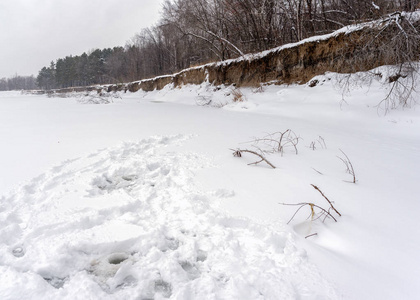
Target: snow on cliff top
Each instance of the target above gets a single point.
(411, 16)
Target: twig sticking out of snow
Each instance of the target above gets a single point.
(238, 153)
(332, 206)
(323, 212)
(313, 234)
(278, 141)
(349, 166)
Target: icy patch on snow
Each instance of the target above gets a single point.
(129, 223)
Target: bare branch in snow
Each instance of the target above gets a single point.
(238, 153)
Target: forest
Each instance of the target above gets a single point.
(194, 32)
(18, 83)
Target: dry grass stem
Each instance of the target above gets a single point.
(238, 96)
(349, 166)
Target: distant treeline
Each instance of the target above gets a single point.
(18, 83)
(193, 32)
(99, 66)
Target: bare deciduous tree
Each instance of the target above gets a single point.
(193, 32)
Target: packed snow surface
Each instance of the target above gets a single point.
(139, 196)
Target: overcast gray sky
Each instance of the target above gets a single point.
(35, 32)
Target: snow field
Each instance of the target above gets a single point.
(165, 211)
(129, 223)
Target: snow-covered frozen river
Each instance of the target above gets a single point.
(142, 198)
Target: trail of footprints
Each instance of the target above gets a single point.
(180, 241)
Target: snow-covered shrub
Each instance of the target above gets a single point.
(397, 44)
(61, 95)
(99, 98)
